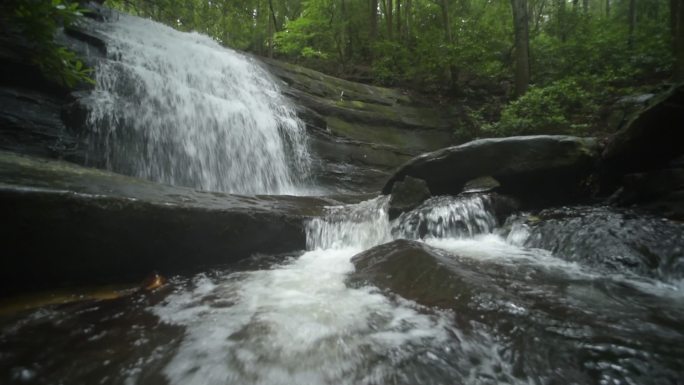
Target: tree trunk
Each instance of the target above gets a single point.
(373, 20)
(632, 23)
(270, 37)
(585, 6)
(561, 20)
(522, 57)
(677, 29)
(407, 16)
(388, 15)
(607, 8)
(445, 20)
(273, 16)
(399, 20)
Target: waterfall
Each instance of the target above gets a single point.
(178, 108)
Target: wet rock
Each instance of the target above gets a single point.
(413, 270)
(31, 123)
(540, 314)
(65, 224)
(617, 240)
(537, 170)
(650, 140)
(367, 127)
(481, 184)
(407, 195)
(462, 216)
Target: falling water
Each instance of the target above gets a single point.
(178, 108)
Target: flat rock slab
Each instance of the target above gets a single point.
(65, 224)
(537, 170)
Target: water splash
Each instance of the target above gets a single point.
(178, 108)
(448, 217)
(363, 226)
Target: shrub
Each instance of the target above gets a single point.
(37, 21)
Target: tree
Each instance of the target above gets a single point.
(522, 40)
(677, 31)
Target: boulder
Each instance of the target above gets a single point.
(642, 163)
(613, 240)
(413, 270)
(539, 311)
(650, 139)
(481, 184)
(537, 170)
(65, 224)
(407, 195)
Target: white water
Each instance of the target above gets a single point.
(178, 108)
(299, 323)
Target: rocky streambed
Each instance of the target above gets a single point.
(535, 260)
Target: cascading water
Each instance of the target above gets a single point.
(517, 316)
(178, 108)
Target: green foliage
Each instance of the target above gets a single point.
(567, 106)
(581, 58)
(38, 21)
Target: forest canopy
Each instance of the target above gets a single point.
(562, 58)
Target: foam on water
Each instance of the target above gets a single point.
(178, 108)
(295, 324)
(299, 323)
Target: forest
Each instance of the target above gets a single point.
(516, 67)
(342, 192)
(520, 66)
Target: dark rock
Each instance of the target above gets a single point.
(659, 191)
(31, 123)
(616, 240)
(481, 184)
(650, 140)
(537, 170)
(65, 224)
(413, 270)
(541, 315)
(620, 112)
(462, 216)
(362, 126)
(407, 195)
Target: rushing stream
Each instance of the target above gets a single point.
(518, 315)
(583, 295)
(178, 108)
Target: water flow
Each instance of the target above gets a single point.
(178, 108)
(299, 323)
(448, 217)
(514, 314)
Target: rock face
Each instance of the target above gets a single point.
(612, 239)
(65, 224)
(535, 169)
(650, 139)
(31, 106)
(407, 195)
(362, 130)
(411, 269)
(539, 314)
(644, 159)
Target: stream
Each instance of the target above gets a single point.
(451, 292)
(520, 315)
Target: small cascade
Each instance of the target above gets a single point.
(448, 217)
(178, 108)
(363, 225)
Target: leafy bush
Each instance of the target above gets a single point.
(566, 106)
(38, 21)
